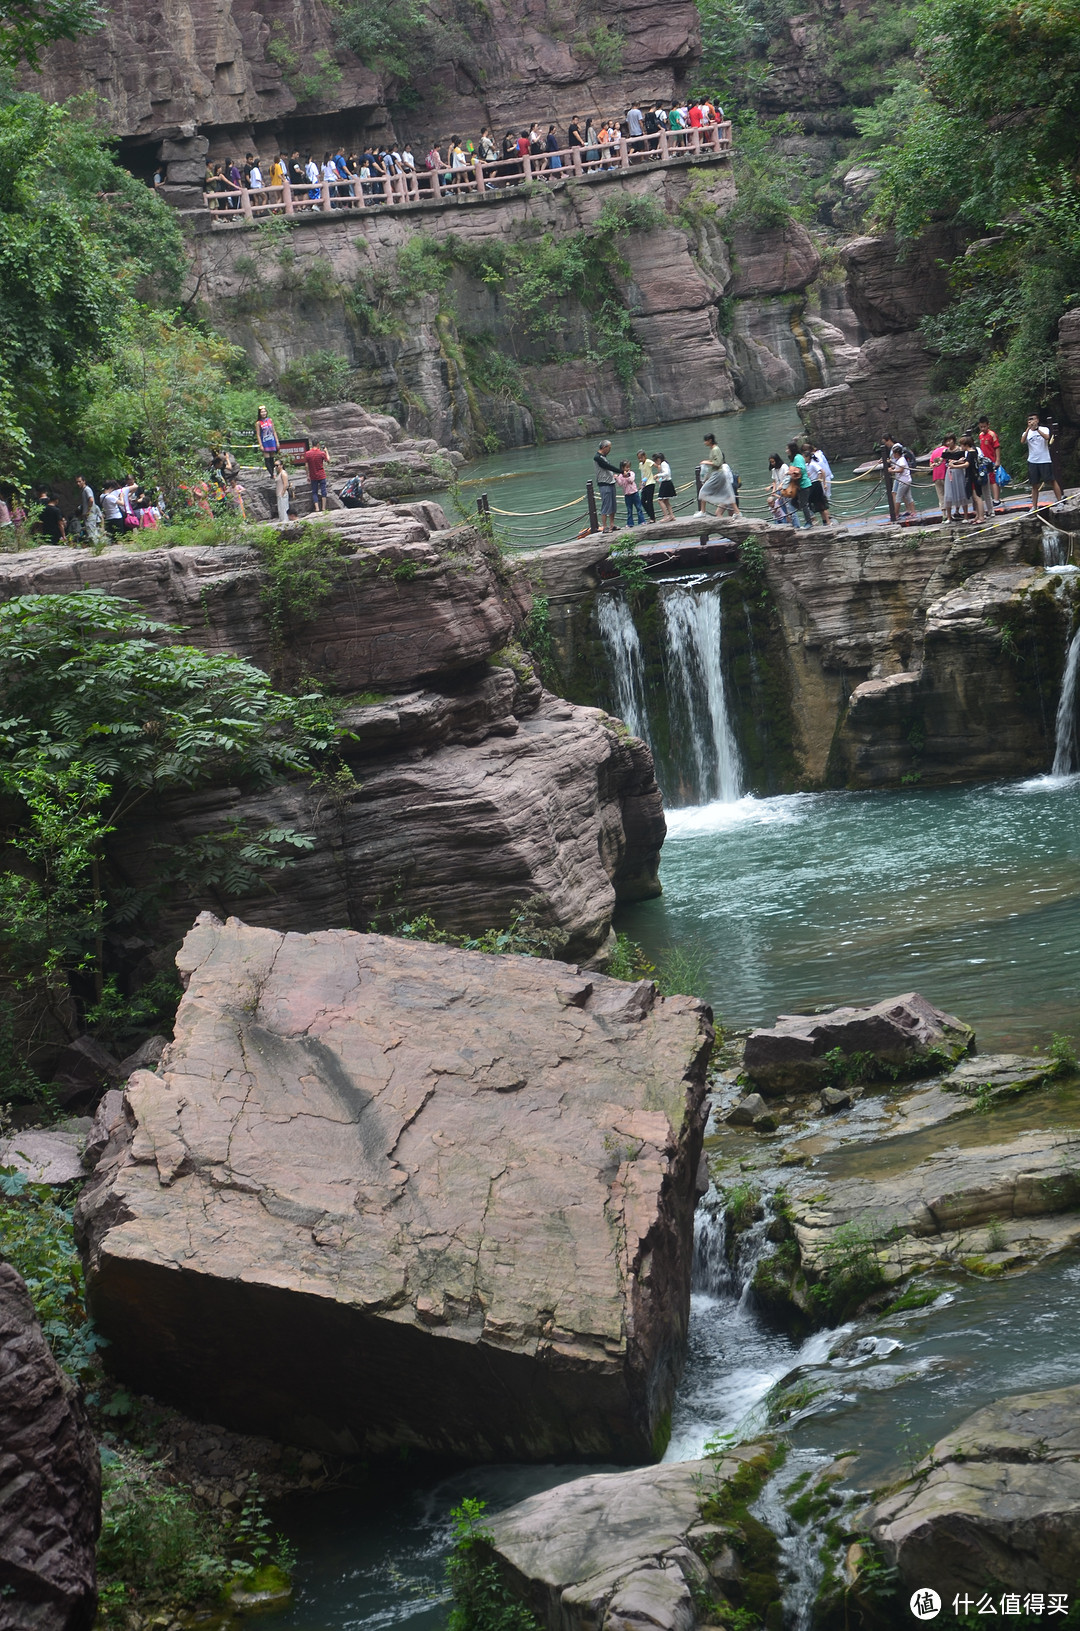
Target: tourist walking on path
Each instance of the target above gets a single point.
(990, 448)
(718, 487)
(780, 477)
(665, 491)
(266, 436)
(281, 490)
(627, 482)
(606, 473)
(955, 503)
(801, 495)
(819, 470)
(900, 471)
(317, 458)
(1036, 438)
(647, 477)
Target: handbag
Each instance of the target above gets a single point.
(794, 483)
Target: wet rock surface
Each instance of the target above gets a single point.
(621, 1550)
(803, 1052)
(460, 1187)
(50, 1480)
(997, 1500)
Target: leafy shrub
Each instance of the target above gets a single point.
(39, 1241)
(156, 1544)
(317, 380)
(480, 1597)
(528, 934)
(852, 1272)
(1062, 1051)
(602, 46)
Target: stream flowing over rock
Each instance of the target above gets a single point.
(995, 1503)
(386, 1193)
(50, 1480)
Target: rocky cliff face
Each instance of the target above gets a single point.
(474, 790)
(927, 655)
(889, 287)
(451, 353)
(51, 1477)
(407, 1196)
(274, 74)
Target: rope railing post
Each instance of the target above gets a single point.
(590, 498)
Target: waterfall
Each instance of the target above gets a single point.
(623, 645)
(692, 636)
(1053, 547)
(1067, 727)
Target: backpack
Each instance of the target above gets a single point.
(432, 160)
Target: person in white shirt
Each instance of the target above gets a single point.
(665, 487)
(256, 184)
(1040, 469)
(817, 468)
(900, 471)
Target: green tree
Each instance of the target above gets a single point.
(27, 27)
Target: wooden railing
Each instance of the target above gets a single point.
(232, 206)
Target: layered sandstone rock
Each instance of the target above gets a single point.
(982, 700)
(855, 611)
(996, 1500)
(903, 1035)
(473, 791)
(50, 1476)
(407, 1195)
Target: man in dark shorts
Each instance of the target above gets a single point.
(317, 458)
(1036, 439)
(51, 521)
(605, 481)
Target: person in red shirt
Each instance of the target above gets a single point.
(317, 458)
(990, 446)
(696, 116)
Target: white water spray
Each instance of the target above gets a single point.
(694, 676)
(1067, 727)
(623, 645)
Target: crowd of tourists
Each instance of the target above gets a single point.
(368, 178)
(118, 508)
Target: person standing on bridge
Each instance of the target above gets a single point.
(1036, 438)
(267, 438)
(718, 487)
(647, 477)
(606, 473)
(666, 488)
(627, 481)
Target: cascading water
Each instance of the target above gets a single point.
(697, 759)
(623, 645)
(692, 625)
(1067, 728)
(1054, 548)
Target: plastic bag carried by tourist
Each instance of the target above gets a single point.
(1002, 475)
(352, 494)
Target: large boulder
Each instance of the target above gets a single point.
(891, 286)
(900, 1036)
(647, 1550)
(384, 1193)
(50, 1480)
(995, 1502)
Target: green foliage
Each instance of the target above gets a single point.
(80, 240)
(536, 638)
(318, 380)
(37, 1239)
(1062, 1051)
(529, 933)
(602, 45)
(118, 1021)
(632, 569)
(480, 1598)
(851, 1272)
(28, 27)
(914, 1297)
(406, 39)
(742, 1205)
(302, 564)
(156, 1546)
(771, 184)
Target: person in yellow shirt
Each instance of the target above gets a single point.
(647, 483)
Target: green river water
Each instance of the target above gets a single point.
(970, 895)
(538, 478)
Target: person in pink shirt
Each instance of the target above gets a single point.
(627, 482)
(937, 475)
